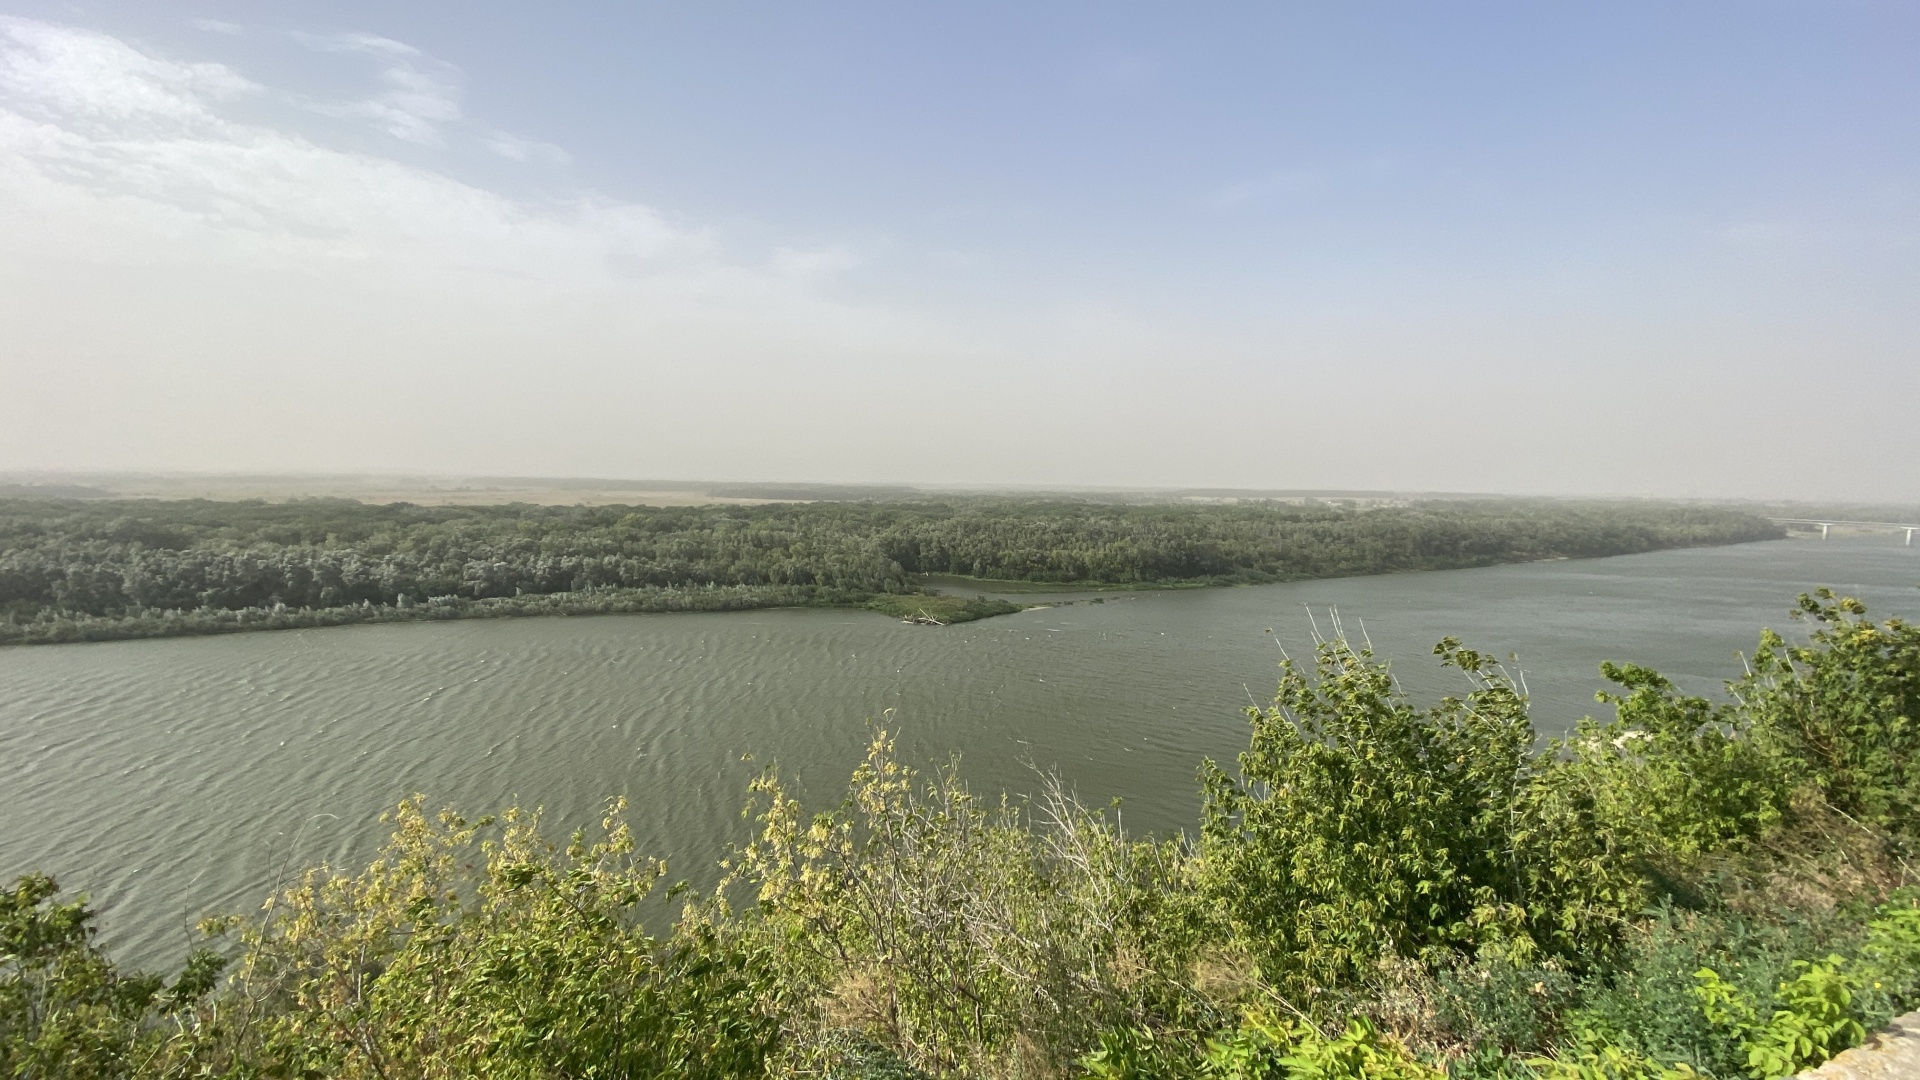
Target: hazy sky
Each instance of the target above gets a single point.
(1642, 248)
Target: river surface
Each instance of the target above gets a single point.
(174, 778)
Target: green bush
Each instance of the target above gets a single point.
(1261, 1047)
(65, 1010)
(480, 949)
(1266, 1048)
(1506, 1007)
(1847, 703)
(1650, 1004)
(1889, 958)
(1679, 774)
(1815, 1016)
(952, 931)
(848, 1056)
(1361, 827)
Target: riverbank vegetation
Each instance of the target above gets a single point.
(101, 569)
(1376, 888)
(938, 610)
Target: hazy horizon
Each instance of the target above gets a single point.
(1645, 250)
(458, 489)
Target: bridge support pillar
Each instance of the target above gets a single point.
(1823, 530)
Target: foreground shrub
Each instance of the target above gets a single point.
(65, 1010)
(959, 935)
(1675, 774)
(1848, 704)
(1262, 1047)
(1890, 957)
(1815, 1016)
(1501, 1007)
(467, 952)
(1650, 1005)
(1360, 826)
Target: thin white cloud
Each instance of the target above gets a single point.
(370, 44)
(114, 155)
(419, 101)
(217, 26)
(508, 145)
(93, 83)
(420, 95)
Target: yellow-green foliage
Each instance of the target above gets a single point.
(1266, 1047)
(1604, 1061)
(480, 949)
(949, 929)
(1262, 1047)
(1815, 1017)
(1381, 890)
(1890, 956)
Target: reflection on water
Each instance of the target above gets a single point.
(171, 778)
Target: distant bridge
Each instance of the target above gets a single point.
(1830, 523)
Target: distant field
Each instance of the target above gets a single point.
(496, 496)
(453, 490)
(378, 490)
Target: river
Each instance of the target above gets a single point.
(173, 778)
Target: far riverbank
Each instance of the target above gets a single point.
(101, 570)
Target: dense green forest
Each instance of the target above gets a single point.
(1377, 888)
(86, 570)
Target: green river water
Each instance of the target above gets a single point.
(174, 778)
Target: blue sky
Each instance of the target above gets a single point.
(1623, 248)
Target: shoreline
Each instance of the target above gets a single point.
(205, 622)
(926, 607)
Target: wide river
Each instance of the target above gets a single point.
(178, 777)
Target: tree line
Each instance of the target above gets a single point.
(78, 562)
